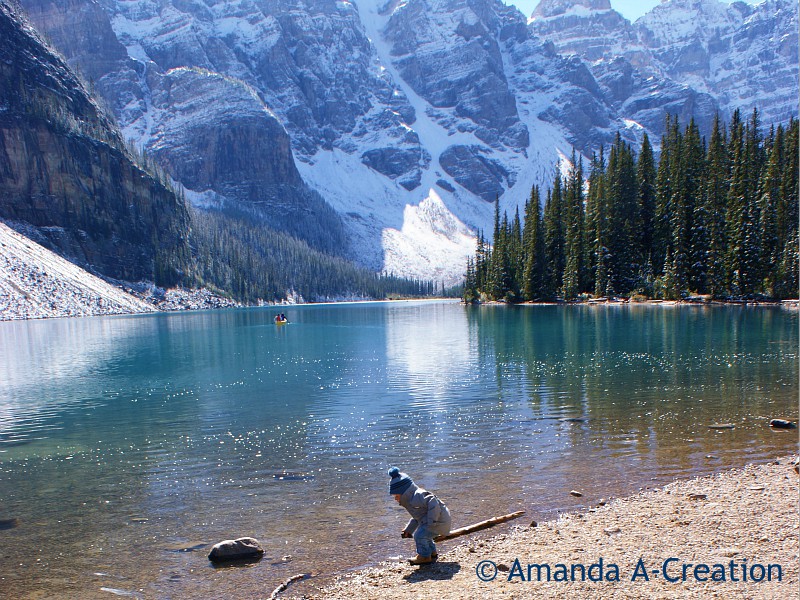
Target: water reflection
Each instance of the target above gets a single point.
(125, 440)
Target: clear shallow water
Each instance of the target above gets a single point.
(129, 445)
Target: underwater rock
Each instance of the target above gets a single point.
(8, 523)
(241, 548)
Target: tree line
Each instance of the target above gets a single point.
(716, 217)
(237, 255)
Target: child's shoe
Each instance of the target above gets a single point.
(421, 560)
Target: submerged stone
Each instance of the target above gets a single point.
(8, 523)
(238, 549)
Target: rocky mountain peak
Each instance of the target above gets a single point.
(677, 21)
(350, 117)
(554, 8)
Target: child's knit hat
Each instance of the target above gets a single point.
(400, 481)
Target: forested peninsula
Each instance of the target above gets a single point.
(715, 217)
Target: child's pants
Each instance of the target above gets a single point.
(424, 540)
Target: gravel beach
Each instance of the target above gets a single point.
(710, 537)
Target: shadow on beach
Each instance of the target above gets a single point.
(440, 571)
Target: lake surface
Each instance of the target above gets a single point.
(129, 445)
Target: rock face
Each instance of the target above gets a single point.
(474, 171)
(744, 56)
(239, 549)
(689, 58)
(330, 119)
(184, 97)
(630, 78)
(449, 52)
(65, 170)
(215, 135)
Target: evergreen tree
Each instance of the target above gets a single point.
(621, 191)
(534, 281)
(597, 223)
(693, 184)
(744, 249)
(573, 277)
(470, 285)
(715, 196)
(662, 231)
(736, 207)
(505, 287)
(769, 189)
(646, 197)
(721, 219)
(554, 235)
(787, 277)
(516, 258)
(482, 255)
(495, 285)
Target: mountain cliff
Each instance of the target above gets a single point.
(693, 57)
(383, 130)
(65, 170)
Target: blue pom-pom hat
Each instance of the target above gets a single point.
(400, 482)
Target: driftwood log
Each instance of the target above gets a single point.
(479, 526)
(282, 587)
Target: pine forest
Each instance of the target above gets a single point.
(714, 217)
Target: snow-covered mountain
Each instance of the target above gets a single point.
(744, 56)
(693, 56)
(408, 117)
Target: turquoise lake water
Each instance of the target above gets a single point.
(129, 445)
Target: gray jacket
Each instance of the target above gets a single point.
(426, 510)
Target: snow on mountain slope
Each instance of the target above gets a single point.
(745, 56)
(36, 283)
(442, 118)
(473, 156)
(409, 117)
(690, 57)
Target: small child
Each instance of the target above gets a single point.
(429, 515)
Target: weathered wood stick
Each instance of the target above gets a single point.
(282, 587)
(479, 526)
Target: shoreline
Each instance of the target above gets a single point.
(192, 300)
(726, 526)
(790, 304)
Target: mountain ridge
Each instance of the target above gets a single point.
(439, 106)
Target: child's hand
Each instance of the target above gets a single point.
(405, 534)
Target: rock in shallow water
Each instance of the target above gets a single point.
(242, 548)
(8, 523)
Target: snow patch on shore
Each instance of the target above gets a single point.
(36, 283)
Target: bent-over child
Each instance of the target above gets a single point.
(429, 515)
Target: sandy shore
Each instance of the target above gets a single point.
(740, 517)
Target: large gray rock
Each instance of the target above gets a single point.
(396, 163)
(238, 549)
(216, 136)
(474, 171)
